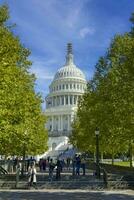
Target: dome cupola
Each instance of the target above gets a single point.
(69, 70)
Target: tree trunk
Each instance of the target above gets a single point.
(23, 161)
(130, 153)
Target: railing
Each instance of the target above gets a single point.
(59, 133)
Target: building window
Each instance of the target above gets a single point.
(70, 86)
(50, 127)
(71, 100)
(63, 86)
(54, 102)
(62, 100)
(66, 86)
(74, 86)
(59, 87)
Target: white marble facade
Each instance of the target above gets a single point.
(68, 85)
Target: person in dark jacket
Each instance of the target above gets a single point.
(58, 169)
(51, 169)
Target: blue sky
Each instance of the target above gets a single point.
(46, 26)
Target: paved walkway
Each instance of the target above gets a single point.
(65, 195)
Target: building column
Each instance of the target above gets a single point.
(56, 101)
(64, 100)
(52, 123)
(61, 122)
(59, 127)
(52, 101)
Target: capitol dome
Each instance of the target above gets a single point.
(65, 90)
(68, 72)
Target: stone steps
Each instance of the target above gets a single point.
(74, 184)
(67, 181)
(53, 185)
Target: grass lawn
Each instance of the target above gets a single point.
(122, 163)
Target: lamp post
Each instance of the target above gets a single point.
(97, 153)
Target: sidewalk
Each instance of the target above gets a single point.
(66, 195)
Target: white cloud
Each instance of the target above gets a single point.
(86, 31)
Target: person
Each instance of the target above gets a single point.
(62, 162)
(15, 164)
(68, 163)
(44, 164)
(105, 177)
(40, 165)
(78, 164)
(30, 162)
(83, 165)
(51, 169)
(58, 169)
(32, 180)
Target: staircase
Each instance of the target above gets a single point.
(67, 181)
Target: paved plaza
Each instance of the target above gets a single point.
(65, 195)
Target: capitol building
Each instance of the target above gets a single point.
(68, 85)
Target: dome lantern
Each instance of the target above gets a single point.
(69, 57)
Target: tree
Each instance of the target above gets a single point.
(109, 100)
(22, 122)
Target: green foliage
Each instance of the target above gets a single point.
(109, 101)
(20, 106)
(4, 15)
(132, 21)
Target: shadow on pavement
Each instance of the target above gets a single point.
(65, 195)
